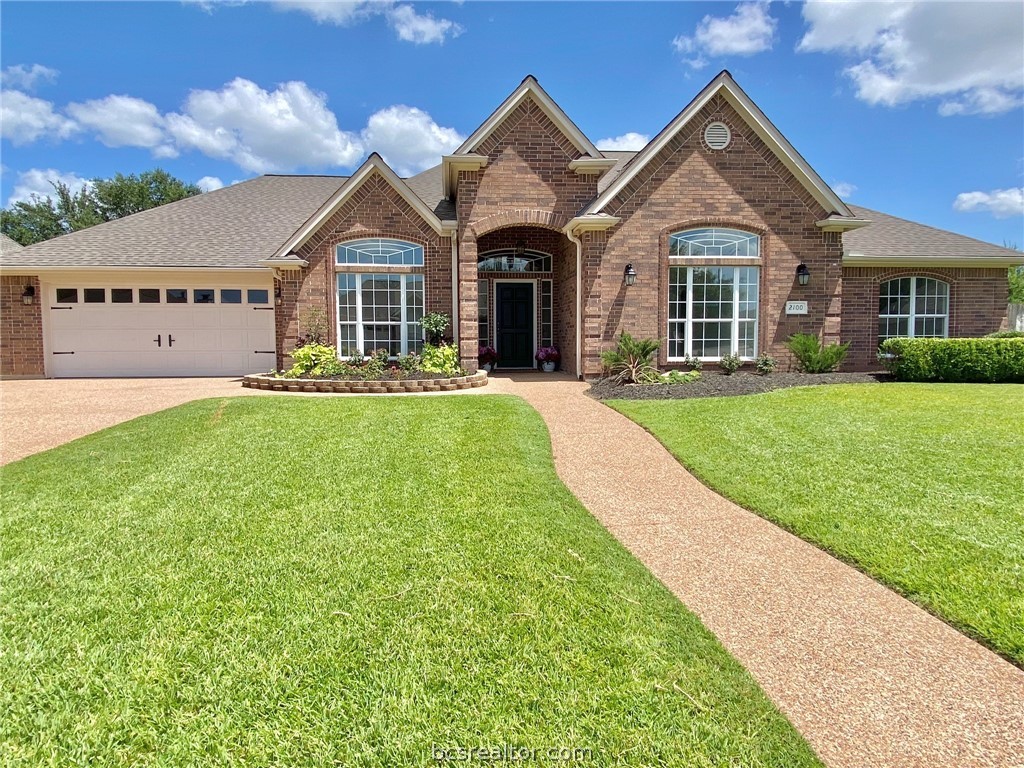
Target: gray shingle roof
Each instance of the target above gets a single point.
(889, 236)
(231, 227)
(9, 246)
(428, 187)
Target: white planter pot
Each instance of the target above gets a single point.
(547, 367)
(487, 367)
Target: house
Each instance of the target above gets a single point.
(716, 238)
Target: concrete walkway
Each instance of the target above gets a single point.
(867, 677)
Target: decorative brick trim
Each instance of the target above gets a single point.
(391, 386)
(526, 217)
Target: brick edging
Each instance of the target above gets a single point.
(360, 387)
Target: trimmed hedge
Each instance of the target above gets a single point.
(963, 360)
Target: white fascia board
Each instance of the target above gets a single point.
(530, 87)
(30, 269)
(374, 163)
(587, 166)
(284, 264)
(590, 223)
(963, 262)
(841, 224)
(751, 113)
(450, 167)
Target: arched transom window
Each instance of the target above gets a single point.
(714, 243)
(915, 307)
(509, 260)
(377, 250)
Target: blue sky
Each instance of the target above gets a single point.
(914, 108)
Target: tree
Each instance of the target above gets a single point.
(42, 218)
(1016, 278)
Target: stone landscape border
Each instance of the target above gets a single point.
(360, 387)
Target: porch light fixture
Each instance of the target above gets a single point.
(28, 294)
(520, 249)
(803, 274)
(629, 275)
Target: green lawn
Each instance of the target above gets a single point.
(304, 582)
(919, 485)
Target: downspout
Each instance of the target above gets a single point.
(579, 299)
(455, 288)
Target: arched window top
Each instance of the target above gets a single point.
(714, 242)
(378, 250)
(507, 260)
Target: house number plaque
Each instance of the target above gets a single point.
(796, 307)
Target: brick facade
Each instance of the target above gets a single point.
(21, 328)
(977, 305)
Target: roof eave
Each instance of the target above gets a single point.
(851, 259)
(841, 224)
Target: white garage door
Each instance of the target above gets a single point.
(159, 331)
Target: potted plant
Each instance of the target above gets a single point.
(548, 358)
(488, 358)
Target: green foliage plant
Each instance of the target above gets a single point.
(632, 361)
(814, 357)
(730, 364)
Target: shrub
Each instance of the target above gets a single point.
(695, 363)
(631, 361)
(960, 360)
(812, 356)
(681, 377)
(1006, 335)
(442, 359)
(765, 364)
(374, 366)
(548, 355)
(487, 355)
(730, 364)
(434, 325)
(409, 364)
(313, 324)
(314, 360)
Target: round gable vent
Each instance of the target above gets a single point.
(717, 135)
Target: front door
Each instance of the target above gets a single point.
(515, 316)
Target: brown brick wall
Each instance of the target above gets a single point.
(977, 305)
(374, 210)
(689, 185)
(21, 328)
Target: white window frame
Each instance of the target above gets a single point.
(734, 321)
(359, 322)
(912, 314)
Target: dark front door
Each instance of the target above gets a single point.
(514, 312)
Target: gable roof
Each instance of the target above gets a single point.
(374, 164)
(8, 245)
(229, 228)
(890, 240)
(529, 88)
(724, 85)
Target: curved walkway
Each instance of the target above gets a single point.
(866, 676)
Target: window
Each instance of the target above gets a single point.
(380, 312)
(258, 296)
(712, 312)
(913, 306)
(177, 296)
(230, 295)
(95, 295)
(507, 261)
(716, 243)
(393, 253)
(545, 314)
(121, 296)
(149, 295)
(202, 296)
(67, 295)
(483, 313)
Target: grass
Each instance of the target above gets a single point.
(919, 485)
(290, 581)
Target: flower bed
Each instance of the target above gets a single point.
(365, 387)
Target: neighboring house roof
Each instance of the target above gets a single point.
(725, 86)
(891, 240)
(233, 227)
(9, 246)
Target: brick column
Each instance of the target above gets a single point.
(468, 329)
(593, 314)
(21, 328)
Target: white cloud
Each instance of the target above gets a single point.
(38, 182)
(625, 142)
(209, 183)
(122, 121)
(421, 28)
(749, 30)
(264, 131)
(1001, 203)
(24, 119)
(844, 189)
(27, 78)
(408, 139)
(968, 54)
(409, 25)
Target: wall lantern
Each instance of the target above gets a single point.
(629, 275)
(803, 274)
(277, 292)
(28, 294)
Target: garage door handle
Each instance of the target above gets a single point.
(264, 309)
(170, 340)
(61, 307)
(62, 353)
(263, 351)
(157, 340)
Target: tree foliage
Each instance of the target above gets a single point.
(42, 218)
(1016, 278)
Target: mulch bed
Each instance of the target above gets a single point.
(717, 384)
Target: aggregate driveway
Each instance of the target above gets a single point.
(37, 414)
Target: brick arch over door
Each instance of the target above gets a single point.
(517, 218)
